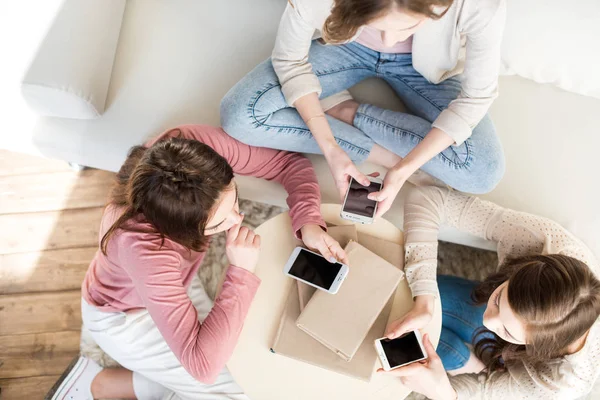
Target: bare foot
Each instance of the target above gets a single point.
(345, 111)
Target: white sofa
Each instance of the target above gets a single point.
(174, 60)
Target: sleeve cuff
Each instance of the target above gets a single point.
(315, 221)
(299, 86)
(452, 124)
(243, 277)
(462, 388)
(421, 288)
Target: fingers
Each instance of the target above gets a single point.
(359, 176)
(383, 207)
(398, 328)
(321, 246)
(390, 331)
(243, 234)
(374, 174)
(375, 195)
(342, 188)
(256, 241)
(249, 239)
(381, 195)
(341, 255)
(335, 249)
(407, 370)
(233, 232)
(430, 350)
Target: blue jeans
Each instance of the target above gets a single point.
(460, 319)
(255, 112)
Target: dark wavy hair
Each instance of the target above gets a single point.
(347, 16)
(173, 185)
(557, 296)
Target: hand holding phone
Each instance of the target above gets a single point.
(315, 238)
(417, 318)
(395, 353)
(428, 377)
(314, 270)
(342, 168)
(357, 206)
(393, 182)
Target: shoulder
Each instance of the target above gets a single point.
(315, 12)
(476, 15)
(138, 241)
(535, 234)
(214, 137)
(197, 132)
(569, 377)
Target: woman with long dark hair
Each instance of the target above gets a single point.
(441, 57)
(531, 330)
(143, 302)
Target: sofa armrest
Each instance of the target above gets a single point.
(70, 74)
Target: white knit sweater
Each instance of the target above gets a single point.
(517, 234)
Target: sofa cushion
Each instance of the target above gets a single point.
(70, 75)
(553, 41)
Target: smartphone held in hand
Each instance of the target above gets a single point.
(357, 206)
(404, 350)
(314, 270)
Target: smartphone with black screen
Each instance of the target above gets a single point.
(357, 206)
(401, 351)
(314, 270)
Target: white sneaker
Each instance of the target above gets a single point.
(76, 382)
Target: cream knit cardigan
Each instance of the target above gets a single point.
(465, 40)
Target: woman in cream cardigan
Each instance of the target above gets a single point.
(440, 56)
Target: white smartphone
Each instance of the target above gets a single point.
(314, 270)
(357, 206)
(401, 351)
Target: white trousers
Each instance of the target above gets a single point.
(133, 340)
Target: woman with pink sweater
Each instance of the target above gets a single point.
(142, 300)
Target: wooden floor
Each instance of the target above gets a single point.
(49, 218)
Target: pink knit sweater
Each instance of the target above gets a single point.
(139, 273)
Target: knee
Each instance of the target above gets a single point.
(452, 350)
(489, 173)
(247, 104)
(233, 111)
(487, 165)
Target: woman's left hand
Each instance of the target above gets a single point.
(392, 183)
(315, 238)
(427, 377)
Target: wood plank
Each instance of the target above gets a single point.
(29, 232)
(13, 163)
(54, 191)
(44, 271)
(37, 354)
(33, 388)
(40, 312)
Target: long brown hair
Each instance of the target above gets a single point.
(557, 297)
(173, 185)
(347, 16)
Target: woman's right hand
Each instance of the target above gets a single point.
(242, 247)
(417, 318)
(342, 168)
